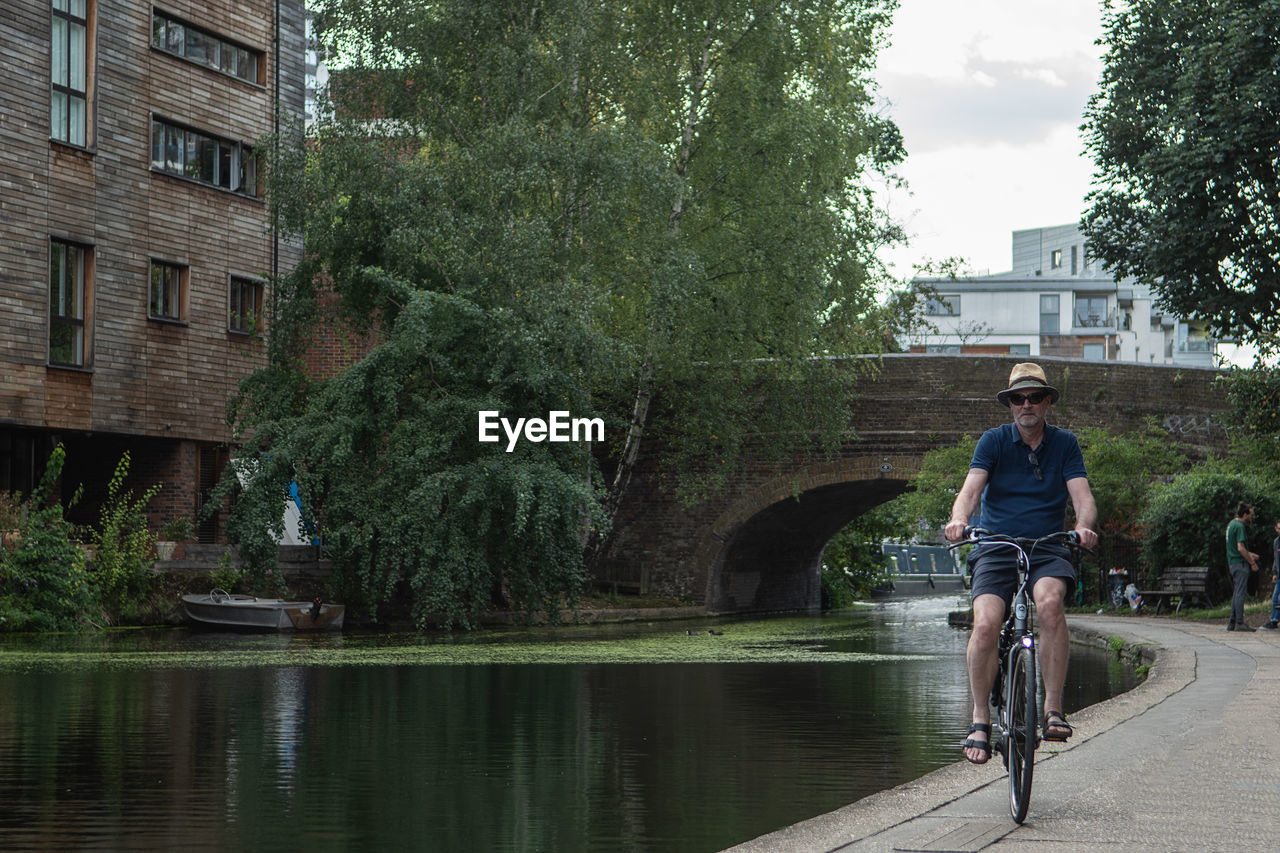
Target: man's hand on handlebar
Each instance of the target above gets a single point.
(961, 532)
(1087, 538)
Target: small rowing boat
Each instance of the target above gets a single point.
(221, 609)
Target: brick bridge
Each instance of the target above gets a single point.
(756, 544)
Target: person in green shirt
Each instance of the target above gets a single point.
(1240, 561)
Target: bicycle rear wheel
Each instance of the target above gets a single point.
(1020, 741)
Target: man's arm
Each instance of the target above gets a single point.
(1249, 557)
(1086, 510)
(966, 502)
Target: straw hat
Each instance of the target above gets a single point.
(1025, 377)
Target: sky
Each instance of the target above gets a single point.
(989, 96)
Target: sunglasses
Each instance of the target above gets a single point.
(1035, 398)
(1035, 465)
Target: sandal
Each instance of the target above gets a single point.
(1057, 720)
(984, 745)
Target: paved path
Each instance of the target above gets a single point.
(1187, 761)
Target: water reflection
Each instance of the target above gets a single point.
(630, 738)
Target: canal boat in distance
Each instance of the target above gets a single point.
(221, 609)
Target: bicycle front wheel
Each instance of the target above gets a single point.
(1020, 744)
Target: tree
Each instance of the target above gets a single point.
(1254, 394)
(853, 562)
(626, 204)
(933, 492)
(1183, 135)
(387, 463)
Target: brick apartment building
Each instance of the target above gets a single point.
(135, 246)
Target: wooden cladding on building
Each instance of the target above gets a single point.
(168, 376)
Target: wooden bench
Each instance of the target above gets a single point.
(1185, 583)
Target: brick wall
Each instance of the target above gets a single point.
(334, 344)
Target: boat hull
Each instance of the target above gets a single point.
(245, 612)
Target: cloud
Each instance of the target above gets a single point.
(966, 200)
(992, 101)
(989, 96)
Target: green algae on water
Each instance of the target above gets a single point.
(762, 641)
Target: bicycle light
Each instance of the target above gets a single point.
(1026, 641)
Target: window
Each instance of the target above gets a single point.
(202, 157)
(1055, 259)
(943, 349)
(1049, 310)
(942, 306)
(204, 48)
(246, 305)
(168, 288)
(21, 455)
(1095, 352)
(68, 120)
(1194, 339)
(68, 263)
(1019, 349)
(1075, 251)
(1091, 311)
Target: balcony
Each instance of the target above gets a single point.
(1196, 345)
(1090, 320)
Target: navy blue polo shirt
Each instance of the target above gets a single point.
(1014, 502)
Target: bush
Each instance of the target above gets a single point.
(177, 529)
(12, 511)
(1185, 520)
(1123, 470)
(43, 582)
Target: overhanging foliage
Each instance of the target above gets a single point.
(570, 206)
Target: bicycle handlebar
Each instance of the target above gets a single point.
(974, 535)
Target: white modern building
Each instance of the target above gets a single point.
(1057, 301)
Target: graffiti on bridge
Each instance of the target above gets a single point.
(1191, 424)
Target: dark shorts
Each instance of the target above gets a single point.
(995, 569)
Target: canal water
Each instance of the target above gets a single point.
(661, 737)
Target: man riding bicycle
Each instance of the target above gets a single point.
(1022, 473)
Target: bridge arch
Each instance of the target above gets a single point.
(764, 552)
(754, 544)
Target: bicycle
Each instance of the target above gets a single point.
(1013, 696)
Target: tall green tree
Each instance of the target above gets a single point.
(647, 213)
(1184, 136)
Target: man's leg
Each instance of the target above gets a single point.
(1240, 577)
(988, 618)
(1275, 602)
(1055, 641)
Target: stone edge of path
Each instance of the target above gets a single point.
(1171, 670)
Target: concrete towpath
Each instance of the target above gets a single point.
(1187, 761)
